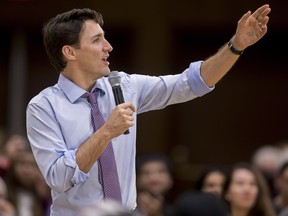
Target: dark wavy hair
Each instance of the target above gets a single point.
(205, 173)
(151, 157)
(263, 205)
(65, 29)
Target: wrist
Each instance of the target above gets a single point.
(234, 50)
(105, 133)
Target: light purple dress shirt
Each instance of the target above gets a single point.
(59, 121)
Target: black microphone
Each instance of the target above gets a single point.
(115, 82)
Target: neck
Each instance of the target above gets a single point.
(79, 79)
(239, 212)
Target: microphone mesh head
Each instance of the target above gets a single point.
(114, 78)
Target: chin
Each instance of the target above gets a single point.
(247, 205)
(106, 72)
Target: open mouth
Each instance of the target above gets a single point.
(105, 60)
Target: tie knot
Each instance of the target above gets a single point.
(91, 97)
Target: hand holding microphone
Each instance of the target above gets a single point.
(115, 82)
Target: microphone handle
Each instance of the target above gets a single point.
(118, 96)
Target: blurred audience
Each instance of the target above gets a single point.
(154, 182)
(28, 191)
(211, 180)
(280, 202)
(6, 207)
(267, 160)
(243, 191)
(283, 146)
(15, 144)
(246, 192)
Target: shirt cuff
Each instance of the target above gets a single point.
(196, 81)
(70, 160)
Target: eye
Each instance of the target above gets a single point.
(96, 40)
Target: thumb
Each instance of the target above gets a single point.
(244, 18)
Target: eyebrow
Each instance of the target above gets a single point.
(98, 35)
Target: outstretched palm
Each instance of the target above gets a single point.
(251, 27)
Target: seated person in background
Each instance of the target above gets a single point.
(211, 181)
(280, 202)
(15, 143)
(6, 207)
(154, 181)
(267, 160)
(27, 189)
(246, 192)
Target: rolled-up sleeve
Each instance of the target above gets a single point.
(196, 81)
(56, 162)
(70, 160)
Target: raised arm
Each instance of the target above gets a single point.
(250, 29)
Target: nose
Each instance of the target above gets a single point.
(107, 46)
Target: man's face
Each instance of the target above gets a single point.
(91, 57)
(154, 178)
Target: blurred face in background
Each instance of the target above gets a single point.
(213, 183)
(25, 168)
(283, 184)
(154, 177)
(243, 191)
(15, 145)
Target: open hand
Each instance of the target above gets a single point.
(251, 27)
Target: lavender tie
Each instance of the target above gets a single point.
(108, 176)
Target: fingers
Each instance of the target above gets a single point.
(127, 106)
(129, 112)
(261, 16)
(244, 18)
(125, 113)
(264, 22)
(251, 27)
(261, 12)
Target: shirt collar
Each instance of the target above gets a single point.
(73, 91)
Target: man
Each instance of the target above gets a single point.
(68, 144)
(154, 182)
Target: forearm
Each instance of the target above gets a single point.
(215, 67)
(89, 152)
(117, 123)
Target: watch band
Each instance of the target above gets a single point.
(234, 50)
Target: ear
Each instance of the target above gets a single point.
(68, 52)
